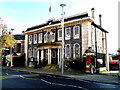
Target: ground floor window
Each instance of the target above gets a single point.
(67, 51)
(30, 52)
(76, 50)
(35, 52)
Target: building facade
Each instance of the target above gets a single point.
(20, 43)
(44, 42)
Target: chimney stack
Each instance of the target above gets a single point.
(93, 10)
(100, 20)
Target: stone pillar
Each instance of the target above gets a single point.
(58, 53)
(26, 49)
(42, 55)
(38, 56)
(49, 56)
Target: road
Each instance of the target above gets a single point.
(15, 79)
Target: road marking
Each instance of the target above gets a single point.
(62, 84)
(6, 73)
(22, 76)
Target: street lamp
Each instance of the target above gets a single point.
(63, 43)
(11, 48)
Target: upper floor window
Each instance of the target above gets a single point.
(67, 51)
(35, 38)
(60, 34)
(49, 36)
(40, 37)
(30, 39)
(45, 37)
(52, 36)
(76, 31)
(76, 50)
(67, 33)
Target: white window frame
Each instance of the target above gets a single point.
(59, 37)
(30, 39)
(76, 36)
(35, 38)
(40, 38)
(74, 55)
(67, 30)
(52, 36)
(45, 37)
(66, 51)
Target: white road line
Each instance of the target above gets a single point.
(22, 76)
(62, 84)
(6, 73)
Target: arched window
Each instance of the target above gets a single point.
(40, 37)
(45, 37)
(30, 39)
(35, 38)
(48, 37)
(30, 52)
(76, 50)
(35, 52)
(67, 51)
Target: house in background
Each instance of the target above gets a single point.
(20, 43)
(44, 41)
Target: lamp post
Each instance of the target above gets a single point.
(63, 43)
(11, 48)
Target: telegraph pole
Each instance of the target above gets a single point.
(63, 42)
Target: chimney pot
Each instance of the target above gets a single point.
(93, 9)
(100, 20)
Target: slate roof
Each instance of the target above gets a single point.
(58, 21)
(98, 26)
(52, 22)
(19, 37)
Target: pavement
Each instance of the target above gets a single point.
(110, 77)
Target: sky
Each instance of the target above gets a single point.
(21, 14)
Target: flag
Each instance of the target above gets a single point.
(50, 9)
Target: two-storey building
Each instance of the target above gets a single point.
(44, 41)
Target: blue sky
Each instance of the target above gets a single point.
(21, 14)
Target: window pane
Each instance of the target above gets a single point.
(76, 30)
(77, 50)
(68, 51)
(68, 31)
(40, 37)
(60, 33)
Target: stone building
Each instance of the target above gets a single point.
(20, 43)
(44, 41)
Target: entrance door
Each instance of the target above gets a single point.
(54, 59)
(46, 54)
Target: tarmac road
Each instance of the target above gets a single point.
(15, 79)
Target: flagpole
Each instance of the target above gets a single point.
(63, 43)
(50, 15)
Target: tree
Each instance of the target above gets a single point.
(8, 40)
